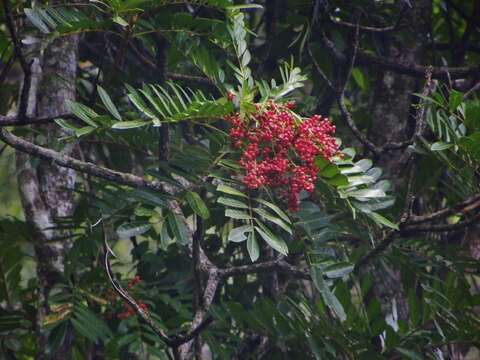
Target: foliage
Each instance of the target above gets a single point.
(223, 51)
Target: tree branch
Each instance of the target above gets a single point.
(85, 167)
(375, 149)
(279, 265)
(19, 120)
(415, 70)
(407, 229)
(468, 205)
(361, 27)
(384, 243)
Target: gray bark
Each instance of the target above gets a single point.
(46, 190)
(392, 118)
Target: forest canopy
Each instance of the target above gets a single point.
(225, 180)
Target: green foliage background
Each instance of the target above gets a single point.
(211, 47)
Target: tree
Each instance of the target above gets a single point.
(199, 209)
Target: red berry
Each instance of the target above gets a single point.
(279, 151)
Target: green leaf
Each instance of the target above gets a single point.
(238, 234)
(252, 247)
(276, 209)
(330, 171)
(178, 228)
(248, 6)
(267, 216)
(229, 190)
(236, 214)
(364, 164)
(338, 180)
(107, 101)
(470, 145)
(152, 197)
(366, 193)
(197, 204)
(382, 220)
(36, 20)
(83, 330)
(321, 163)
(84, 131)
(440, 145)
(357, 180)
(128, 230)
(82, 112)
(232, 203)
(165, 238)
(472, 115)
(136, 99)
(271, 239)
(120, 21)
(339, 271)
(359, 78)
(123, 125)
(327, 295)
(455, 99)
(66, 125)
(246, 58)
(89, 325)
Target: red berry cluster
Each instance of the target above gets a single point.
(279, 148)
(128, 309)
(135, 281)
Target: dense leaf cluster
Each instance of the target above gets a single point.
(156, 81)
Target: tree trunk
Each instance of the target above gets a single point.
(46, 190)
(392, 119)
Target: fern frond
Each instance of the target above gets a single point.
(174, 103)
(292, 79)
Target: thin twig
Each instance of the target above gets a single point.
(468, 205)
(126, 296)
(23, 105)
(472, 90)
(361, 27)
(415, 70)
(384, 243)
(340, 96)
(172, 341)
(441, 228)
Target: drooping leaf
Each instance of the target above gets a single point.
(252, 247)
(178, 228)
(238, 234)
(107, 101)
(197, 204)
(128, 230)
(237, 214)
(232, 202)
(330, 299)
(271, 239)
(231, 191)
(124, 125)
